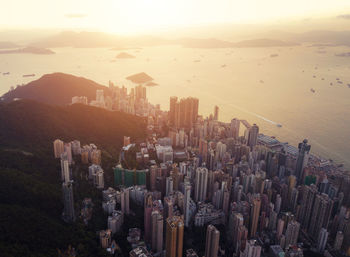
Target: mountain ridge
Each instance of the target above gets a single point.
(56, 88)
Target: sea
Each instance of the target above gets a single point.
(296, 87)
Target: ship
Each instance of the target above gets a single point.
(312, 90)
(28, 75)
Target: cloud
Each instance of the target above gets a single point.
(344, 16)
(75, 15)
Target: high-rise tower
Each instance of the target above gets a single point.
(212, 242)
(174, 236)
(303, 157)
(68, 202)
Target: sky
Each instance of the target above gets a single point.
(134, 16)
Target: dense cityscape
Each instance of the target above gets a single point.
(203, 187)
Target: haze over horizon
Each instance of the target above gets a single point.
(139, 16)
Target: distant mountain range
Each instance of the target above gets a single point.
(99, 39)
(56, 88)
(272, 38)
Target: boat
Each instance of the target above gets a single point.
(223, 66)
(340, 82)
(322, 79)
(6, 73)
(337, 79)
(314, 76)
(331, 84)
(279, 125)
(312, 90)
(196, 60)
(28, 75)
(261, 81)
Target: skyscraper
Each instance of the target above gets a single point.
(309, 193)
(173, 102)
(157, 231)
(254, 215)
(148, 216)
(68, 202)
(65, 172)
(100, 96)
(252, 249)
(174, 236)
(115, 221)
(124, 200)
(140, 92)
(303, 157)
(216, 112)
(58, 147)
(235, 128)
(322, 240)
(212, 242)
(169, 186)
(253, 135)
(338, 240)
(321, 212)
(292, 233)
(183, 113)
(187, 199)
(201, 184)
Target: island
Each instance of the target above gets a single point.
(347, 54)
(124, 55)
(28, 50)
(140, 78)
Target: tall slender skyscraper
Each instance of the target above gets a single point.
(187, 199)
(174, 236)
(157, 232)
(303, 157)
(201, 184)
(65, 172)
(322, 240)
(173, 102)
(68, 202)
(216, 112)
(253, 135)
(292, 233)
(235, 128)
(212, 242)
(254, 215)
(125, 200)
(58, 147)
(148, 216)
